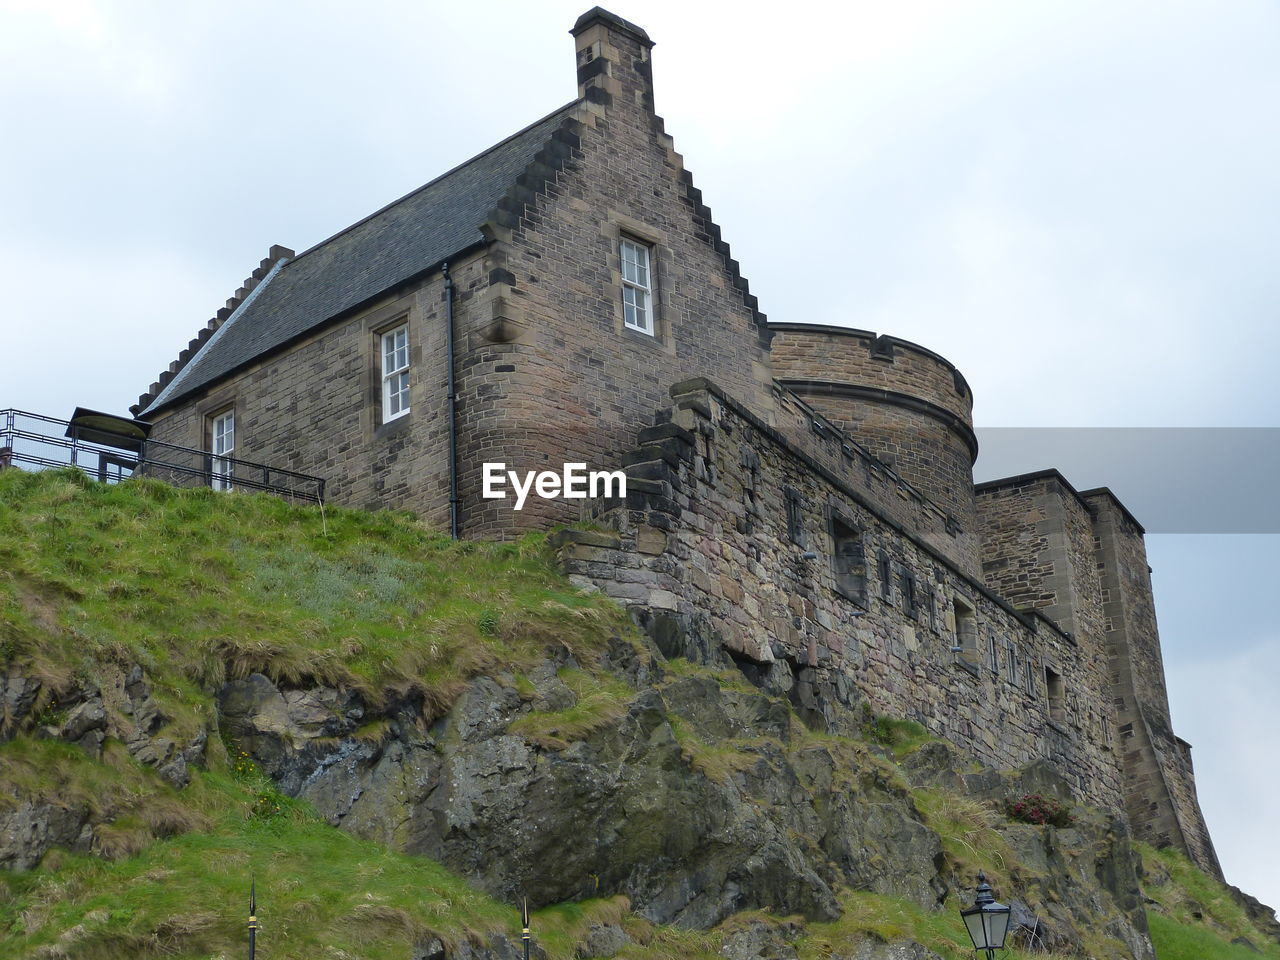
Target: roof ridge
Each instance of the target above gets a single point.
(430, 183)
(276, 255)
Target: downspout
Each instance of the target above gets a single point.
(453, 403)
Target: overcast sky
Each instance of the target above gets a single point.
(1075, 202)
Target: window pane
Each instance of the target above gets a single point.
(395, 350)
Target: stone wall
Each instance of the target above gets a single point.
(315, 408)
(735, 538)
(570, 382)
(908, 406)
(1038, 551)
(1159, 780)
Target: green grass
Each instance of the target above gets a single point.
(197, 586)
(967, 829)
(1183, 941)
(321, 892)
(900, 736)
(599, 701)
(719, 761)
(1192, 906)
(871, 915)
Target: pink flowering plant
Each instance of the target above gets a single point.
(1039, 810)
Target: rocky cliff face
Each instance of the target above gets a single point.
(684, 788)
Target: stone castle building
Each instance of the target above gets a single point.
(800, 497)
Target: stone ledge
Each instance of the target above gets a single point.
(586, 538)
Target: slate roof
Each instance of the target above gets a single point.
(400, 241)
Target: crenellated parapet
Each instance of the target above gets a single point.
(744, 542)
(909, 406)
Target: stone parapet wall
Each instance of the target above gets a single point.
(908, 406)
(734, 540)
(829, 444)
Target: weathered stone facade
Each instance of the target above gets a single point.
(810, 514)
(833, 601)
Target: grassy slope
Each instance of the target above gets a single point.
(1195, 916)
(197, 586)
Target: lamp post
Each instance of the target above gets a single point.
(987, 921)
(524, 923)
(253, 918)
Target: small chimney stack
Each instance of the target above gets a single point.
(613, 60)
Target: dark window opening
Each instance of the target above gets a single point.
(966, 631)
(993, 656)
(1057, 696)
(884, 574)
(909, 605)
(849, 560)
(795, 517)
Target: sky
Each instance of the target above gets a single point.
(1076, 202)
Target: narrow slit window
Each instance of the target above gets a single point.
(909, 594)
(395, 373)
(966, 632)
(849, 560)
(637, 287)
(222, 444)
(795, 517)
(993, 656)
(884, 572)
(1057, 696)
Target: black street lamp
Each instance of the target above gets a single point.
(253, 918)
(987, 921)
(524, 922)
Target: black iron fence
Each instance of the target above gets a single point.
(37, 442)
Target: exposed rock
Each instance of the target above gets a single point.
(697, 802)
(499, 947)
(625, 811)
(28, 831)
(758, 940)
(902, 950)
(603, 940)
(17, 700)
(1257, 911)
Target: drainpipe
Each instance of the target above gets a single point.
(453, 403)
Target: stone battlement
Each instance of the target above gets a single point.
(734, 538)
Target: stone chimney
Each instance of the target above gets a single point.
(613, 60)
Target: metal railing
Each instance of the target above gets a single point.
(34, 441)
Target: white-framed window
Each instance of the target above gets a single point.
(222, 444)
(395, 373)
(637, 286)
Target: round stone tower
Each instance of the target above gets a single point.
(910, 407)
